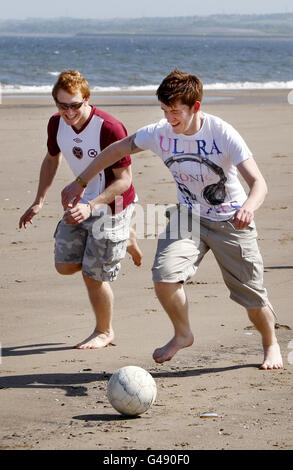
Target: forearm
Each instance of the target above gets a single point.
(115, 189)
(48, 171)
(256, 195)
(109, 156)
(122, 181)
(257, 192)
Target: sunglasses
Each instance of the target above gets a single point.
(65, 106)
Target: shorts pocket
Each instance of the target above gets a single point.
(115, 251)
(252, 265)
(114, 228)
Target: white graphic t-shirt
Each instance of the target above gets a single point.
(203, 165)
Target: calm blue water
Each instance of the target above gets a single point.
(130, 62)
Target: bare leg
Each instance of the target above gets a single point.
(102, 299)
(173, 299)
(67, 269)
(133, 248)
(264, 321)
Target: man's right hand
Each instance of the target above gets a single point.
(71, 194)
(33, 210)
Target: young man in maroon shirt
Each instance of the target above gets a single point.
(80, 132)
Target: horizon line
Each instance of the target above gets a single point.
(144, 17)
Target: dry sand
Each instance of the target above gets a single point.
(53, 396)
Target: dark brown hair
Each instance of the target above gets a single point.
(180, 86)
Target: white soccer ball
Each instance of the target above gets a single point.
(131, 390)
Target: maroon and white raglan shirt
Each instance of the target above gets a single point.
(81, 146)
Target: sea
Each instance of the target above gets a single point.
(138, 63)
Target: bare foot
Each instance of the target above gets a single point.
(272, 357)
(96, 341)
(166, 353)
(133, 248)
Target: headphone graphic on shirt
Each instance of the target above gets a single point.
(215, 193)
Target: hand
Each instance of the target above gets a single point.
(76, 215)
(71, 194)
(242, 218)
(33, 210)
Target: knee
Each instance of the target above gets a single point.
(167, 287)
(92, 283)
(159, 286)
(67, 268)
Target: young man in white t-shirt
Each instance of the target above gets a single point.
(80, 132)
(204, 155)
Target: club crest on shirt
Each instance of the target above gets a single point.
(77, 152)
(92, 153)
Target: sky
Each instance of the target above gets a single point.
(105, 9)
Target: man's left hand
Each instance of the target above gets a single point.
(77, 214)
(242, 218)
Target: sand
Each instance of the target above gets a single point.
(54, 396)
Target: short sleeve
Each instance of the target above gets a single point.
(52, 130)
(111, 132)
(237, 147)
(144, 137)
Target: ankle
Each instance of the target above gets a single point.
(101, 331)
(268, 344)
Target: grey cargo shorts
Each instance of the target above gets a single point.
(97, 245)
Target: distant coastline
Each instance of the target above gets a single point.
(179, 35)
(274, 25)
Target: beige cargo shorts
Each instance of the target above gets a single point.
(236, 251)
